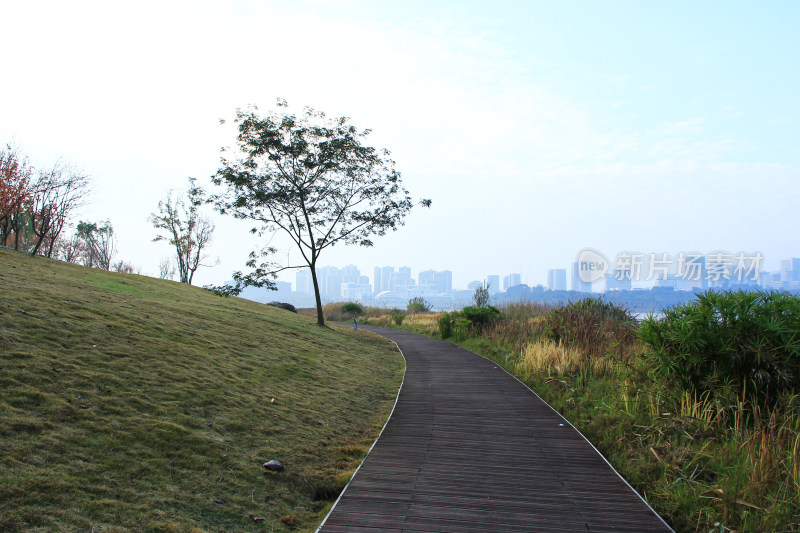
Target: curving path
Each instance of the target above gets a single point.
(471, 449)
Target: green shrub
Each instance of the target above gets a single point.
(462, 327)
(418, 304)
(445, 322)
(352, 309)
(467, 321)
(398, 319)
(749, 340)
(480, 316)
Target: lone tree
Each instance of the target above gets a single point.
(313, 179)
(183, 227)
(99, 243)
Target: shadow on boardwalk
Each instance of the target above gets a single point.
(471, 449)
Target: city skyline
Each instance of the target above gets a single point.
(392, 286)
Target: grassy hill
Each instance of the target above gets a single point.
(134, 404)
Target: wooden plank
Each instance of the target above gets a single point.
(471, 449)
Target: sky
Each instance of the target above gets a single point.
(537, 128)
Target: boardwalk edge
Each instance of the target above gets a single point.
(396, 398)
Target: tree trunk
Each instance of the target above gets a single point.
(320, 316)
(16, 234)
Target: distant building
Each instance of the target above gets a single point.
(350, 274)
(578, 284)
(401, 281)
(303, 282)
(494, 283)
(790, 269)
(613, 283)
(426, 277)
(383, 279)
(693, 271)
(330, 282)
(356, 292)
(433, 282)
(771, 281)
(557, 279)
(282, 287)
(678, 283)
(472, 285)
(512, 280)
(444, 281)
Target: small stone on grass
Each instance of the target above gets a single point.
(273, 465)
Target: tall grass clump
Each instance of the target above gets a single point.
(551, 358)
(592, 326)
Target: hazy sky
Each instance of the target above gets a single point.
(537, 128)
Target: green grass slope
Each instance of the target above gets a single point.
(134, 404)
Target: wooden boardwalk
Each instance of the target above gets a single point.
(471, 449)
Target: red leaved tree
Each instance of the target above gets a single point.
(15, 194)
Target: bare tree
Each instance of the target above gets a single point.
(166, 268)
(58, 192)
(125, 267)
(70, 250)
(185, 228)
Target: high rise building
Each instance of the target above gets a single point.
(790, 269)
(303, 282)
(330, 282)
(613, 282)
(350, 274)
(512, 280)
(578, 284)
(383, 279)
(433, 282)
(426, 278)
(557, 279)
(387, 273)
(444, 281)
(356, 291)
(494, 283)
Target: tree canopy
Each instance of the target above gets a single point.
(313, 179)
